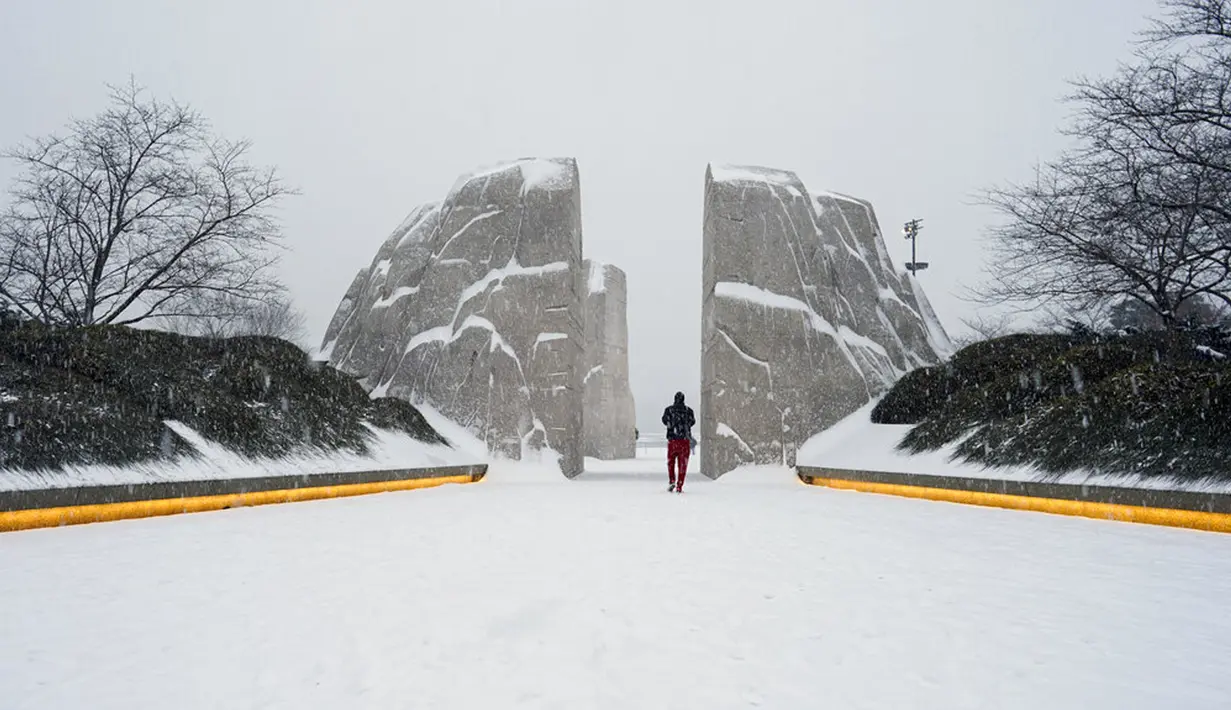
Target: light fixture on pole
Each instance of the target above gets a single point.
(911, 232)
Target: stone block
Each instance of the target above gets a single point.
(610, 420)
(474, 306)
(805, 318)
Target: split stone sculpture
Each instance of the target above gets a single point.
(805, 318)
(610, 423)
(475, 305)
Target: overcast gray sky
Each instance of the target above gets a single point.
(371, 107)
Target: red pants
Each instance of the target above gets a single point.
(677, 449)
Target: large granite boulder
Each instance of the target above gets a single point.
(474, 306)
(343, 314)
(805, 318)
(611, 420)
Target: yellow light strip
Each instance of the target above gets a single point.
(103, 512)
(1192, 519)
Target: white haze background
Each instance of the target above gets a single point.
(371, 107)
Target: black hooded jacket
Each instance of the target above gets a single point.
(679, 419)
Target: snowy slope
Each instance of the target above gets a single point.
(856, 443)
(388, 450)
(608, 592)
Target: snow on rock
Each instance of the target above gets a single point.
(757, 296)
(454, 310)
(416, 226)
(597, 280)
(397, 295)
(937, 337)
(500, 469)
(340, 317)
(724, 430)
(530, 173)
(544, 174)
(610, 417)
(739, 173)
(805, 317)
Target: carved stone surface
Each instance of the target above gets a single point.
(610, 419)
(474, 306)
(805, 318)
(340, 317)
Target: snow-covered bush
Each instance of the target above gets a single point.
(1156, 403)
(100, 395)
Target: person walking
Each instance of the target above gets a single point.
(679, 420)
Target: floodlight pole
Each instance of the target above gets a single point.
(911, 231)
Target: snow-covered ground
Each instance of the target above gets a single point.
(856, 443)
(388, 449)
(528, 590)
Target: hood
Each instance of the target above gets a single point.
(679, 398)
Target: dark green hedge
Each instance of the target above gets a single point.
(1155, 404)
(101, 394)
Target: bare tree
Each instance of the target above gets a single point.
(980, 327)
(1141, 209)
(1203, 20)
(1171, 108)
(1196, 313)
(1056, 320)
(134, 213)
(1097, 228)
(277, 319)
(227, 316)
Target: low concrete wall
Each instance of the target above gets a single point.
(51, 507)
(1201, 511)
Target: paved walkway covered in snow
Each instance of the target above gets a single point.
(610, 592)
